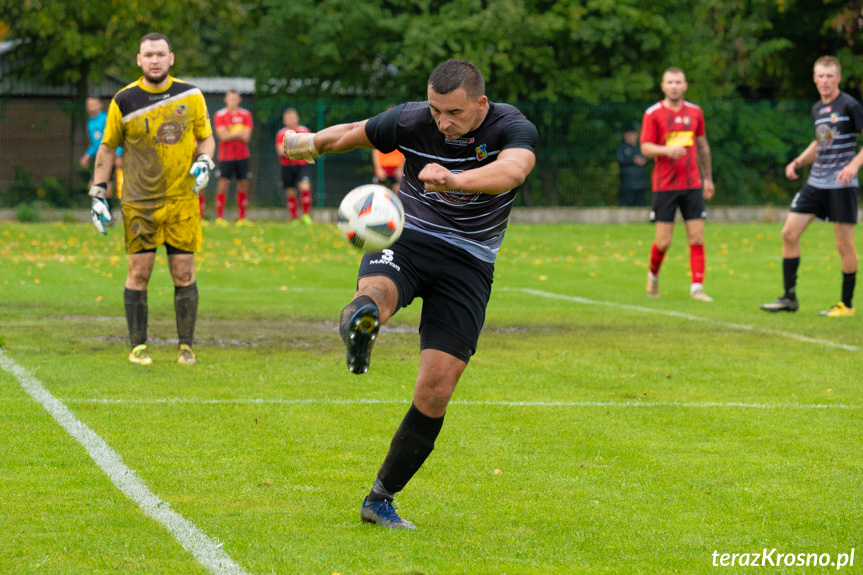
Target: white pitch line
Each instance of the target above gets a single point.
(482, 403)
(205, 550)
(690, 317)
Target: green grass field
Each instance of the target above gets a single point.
(595, 431)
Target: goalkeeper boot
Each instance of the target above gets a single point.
(783, 303)
(139, 355)
(383, 513)
(362, 331)
(838, 310)
(185, 355)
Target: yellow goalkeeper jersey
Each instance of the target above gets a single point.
(159, 132)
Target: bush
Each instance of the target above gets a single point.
(27, 213)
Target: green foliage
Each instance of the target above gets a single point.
(23, 190)
(66, 42)
(27, 213)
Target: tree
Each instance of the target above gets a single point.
(63, 42)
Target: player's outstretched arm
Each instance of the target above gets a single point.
(507, 172)
(335, 139)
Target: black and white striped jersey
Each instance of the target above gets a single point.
(472, 221)
(837, 125)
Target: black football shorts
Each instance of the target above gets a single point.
(454, 285)
(834, 205)
(691, 203)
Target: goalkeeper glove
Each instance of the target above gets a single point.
(201, 168)
(100, 213)
(300, 146)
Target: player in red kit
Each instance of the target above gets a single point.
(294, 173)
(233, 126)
(673, 134)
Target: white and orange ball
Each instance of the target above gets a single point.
(371, 217)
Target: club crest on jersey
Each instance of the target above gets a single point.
(481, 152)
(833, 117)
(169, 133)
(180, 109)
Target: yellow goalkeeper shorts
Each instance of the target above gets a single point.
(175, 222)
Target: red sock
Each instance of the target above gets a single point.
(696, 263)
(292, 207)
(656, 258)
(242, 204)
(202, 201)
(306, 200)
(220, 204)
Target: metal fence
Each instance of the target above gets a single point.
(41, 140)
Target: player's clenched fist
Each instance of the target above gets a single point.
(300, 146)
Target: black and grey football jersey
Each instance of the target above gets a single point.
(837, 125)
(473, 221)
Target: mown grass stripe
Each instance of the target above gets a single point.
(207, 552)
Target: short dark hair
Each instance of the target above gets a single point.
(154, 37)
(455, 74)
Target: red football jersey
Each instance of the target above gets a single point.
(233, 149)
(667, 127)
(280, 135)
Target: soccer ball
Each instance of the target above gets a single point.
(371, 218)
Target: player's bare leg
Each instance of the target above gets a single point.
(374, 303)
(795, 225)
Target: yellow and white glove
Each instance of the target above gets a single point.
(100, 213)
(300, 146)
(201, 168)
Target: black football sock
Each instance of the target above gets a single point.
(848, 282)
(411, 445)
(135, 302)
(349, 310)
(186, 310)
(789, 274)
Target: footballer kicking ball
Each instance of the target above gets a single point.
(371, 218)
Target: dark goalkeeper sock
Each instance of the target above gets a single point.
(186, 310)
(135, 302)
(413, 442)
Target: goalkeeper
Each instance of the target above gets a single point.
(163, 126)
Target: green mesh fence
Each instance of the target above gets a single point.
(42, 139)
